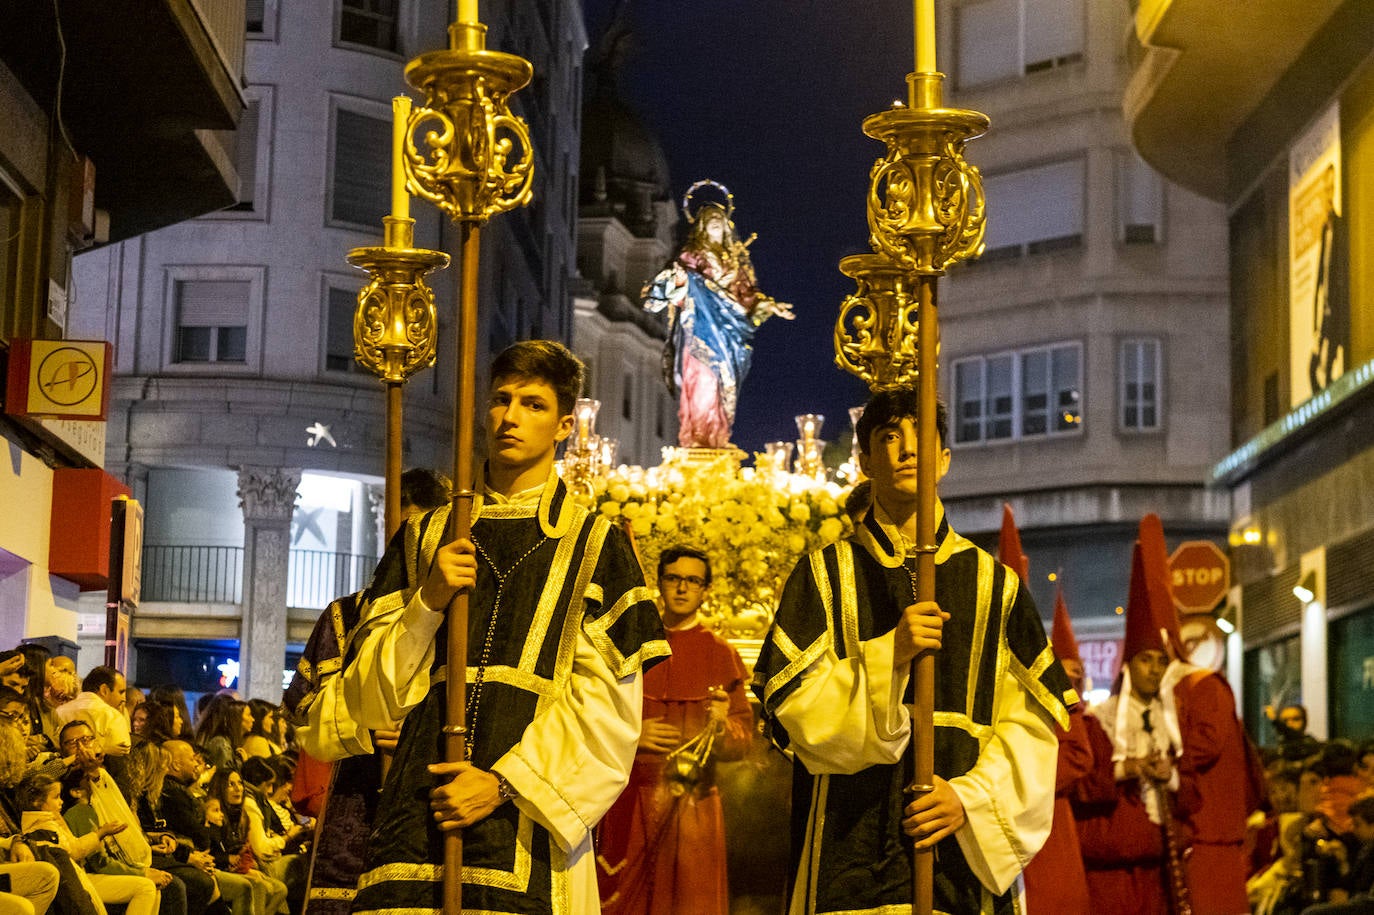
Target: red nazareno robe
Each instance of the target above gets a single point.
(1055, 881)
(661, 851)
(1123, 852)
(1214, 764)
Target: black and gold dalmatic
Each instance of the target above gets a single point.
(848, 845)
(548, 572)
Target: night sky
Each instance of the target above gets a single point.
(768, 98)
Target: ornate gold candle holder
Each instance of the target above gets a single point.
(925, 201)
(395, 330)
(477, 160)
(395, 325)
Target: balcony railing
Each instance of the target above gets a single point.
(193, 574)
(316, 577)
(214, 574)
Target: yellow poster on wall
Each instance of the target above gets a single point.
(1319, 301)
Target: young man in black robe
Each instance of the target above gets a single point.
(833, 676)
(561, 627)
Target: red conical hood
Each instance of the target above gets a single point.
(1009, 545)
(1151, 619)
(1061, 633)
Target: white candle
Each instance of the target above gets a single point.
(400, 123)
(925, 36)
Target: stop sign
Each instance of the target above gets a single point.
(1199, 574)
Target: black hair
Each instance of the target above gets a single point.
(283, 770)
(1363, 807)
(172, 695)
(546, 360)
(1338, 757)
(891, 405)
(98, 677)
(159, 721)
(424, 489)
(8, 695)
(256, 770)
(680, 551)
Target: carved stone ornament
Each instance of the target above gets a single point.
(268, 493)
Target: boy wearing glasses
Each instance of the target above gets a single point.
(561, 628)
(661, 848)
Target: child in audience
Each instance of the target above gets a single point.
(39, 797)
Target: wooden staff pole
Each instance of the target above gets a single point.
(928, 455)
(393, 457)
(465, 380)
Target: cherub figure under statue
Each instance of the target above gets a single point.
(714, 304)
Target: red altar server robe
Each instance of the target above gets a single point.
(1055, 881)
(661, 848)
(1214, 765)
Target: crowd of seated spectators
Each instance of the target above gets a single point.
(1314, 847)
(113, 799)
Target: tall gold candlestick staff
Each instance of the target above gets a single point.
(476, 162)
(925, 212)
(394, 326)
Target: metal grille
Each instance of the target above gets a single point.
(193, 574)
(1350, 571)
(316, 577)
(1268, 606)
(214, 574)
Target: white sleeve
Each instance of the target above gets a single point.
(848, 714)
(388, 676)
(1008, 795)
(118, 739)
(574, 758)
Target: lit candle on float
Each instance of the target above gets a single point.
(584, 421)
(400, 123)
(925, 35)
(809, 426)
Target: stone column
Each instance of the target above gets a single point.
(267, 496)
(376, 504)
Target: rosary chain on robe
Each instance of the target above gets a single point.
(474, 703)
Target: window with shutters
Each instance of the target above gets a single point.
(1034, 210)
(360, 190)
(212, 321)
(340, 304)
(1139, 201)
(1141, 371)
(260, 19)
(214, 316)
(370, 23)
(251, 148)
(1025, 394)
(246, 155)
(999, 40)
